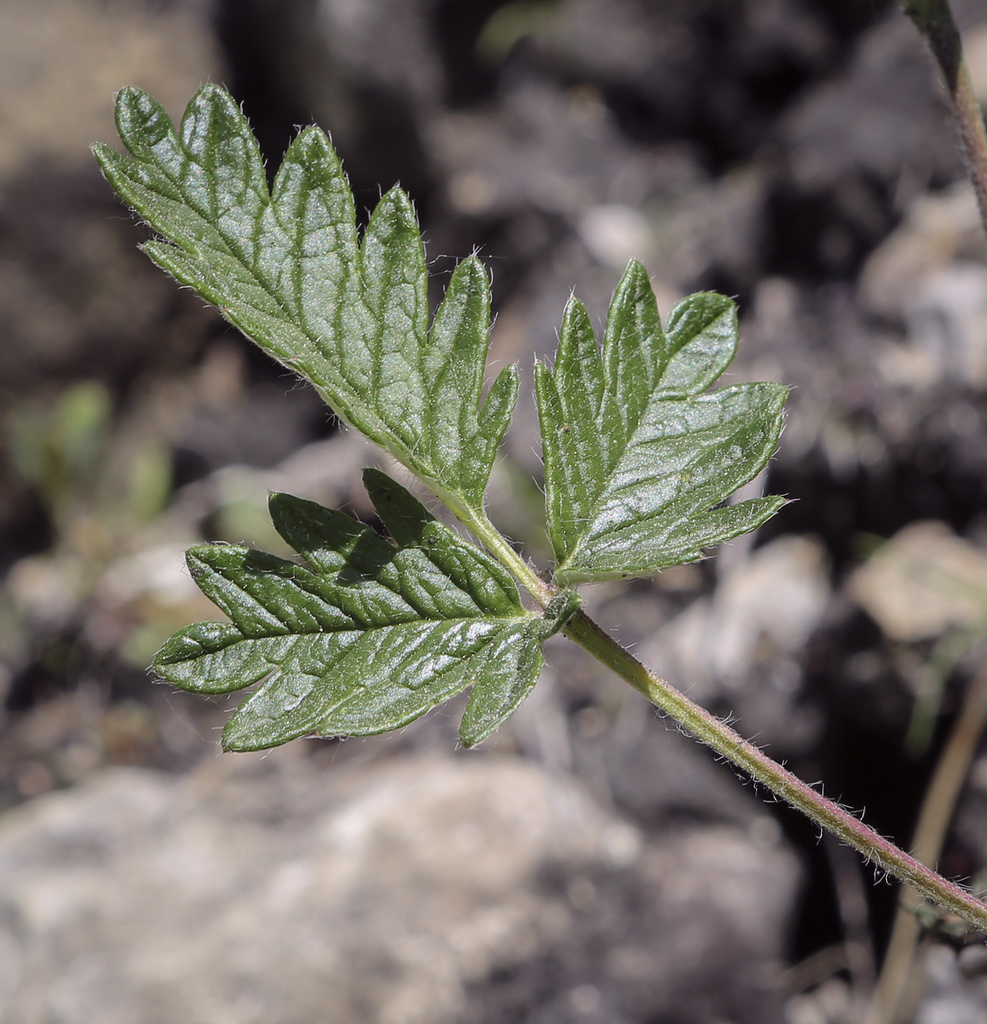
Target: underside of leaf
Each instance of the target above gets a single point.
(639, 456)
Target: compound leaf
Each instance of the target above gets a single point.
(638, 454)
(368, 633)
(287, 267)
(364, 637)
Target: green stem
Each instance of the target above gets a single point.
(938, 806)
(934, 20)
(714, 733)
(495, 542)
(731, 745)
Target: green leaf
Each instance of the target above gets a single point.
(364, 637)
(638, 454)
(286, 266)
(496, 698)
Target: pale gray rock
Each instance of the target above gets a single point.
(951, 997)
(420, 889)
(744, 644)
(948, 321)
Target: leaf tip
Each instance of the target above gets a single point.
(131, 98)
(313, 151)
(277, 502)
(105, 157)
(141, 121)
(636, 270)
(473, 265)
(396, 199)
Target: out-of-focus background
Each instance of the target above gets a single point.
(588, 864)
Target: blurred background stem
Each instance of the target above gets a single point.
(937, 810)
(934, 20)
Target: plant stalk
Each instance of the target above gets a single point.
(495, 542)
(938, 806)
(714, 733)
(934, 20)
(725, 741)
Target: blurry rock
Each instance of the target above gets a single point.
(948, 319)
(425, 890)
(653, 59)
(741, 649)
(952, 998)
(75, 298)
(551, 149)
(922, 582)
(62, 61)
(365, 71)
(975, 52)
(383, 44)
(857, 145)
(896, 112)
(930, 275)
(614, 234)
(46, 590)
(831, 1002)
(762, 612)
(937, 230)
(779, 594)
(661, 778)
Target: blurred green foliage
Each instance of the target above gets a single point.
(86, 470)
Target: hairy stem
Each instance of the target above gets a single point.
(938, 806)
(730, 744)
(934, 20)
(495, 542)
(714, 733)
